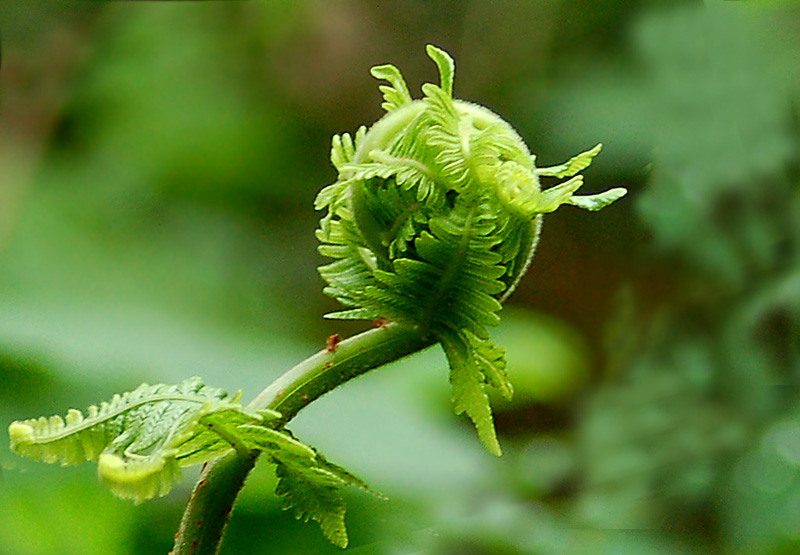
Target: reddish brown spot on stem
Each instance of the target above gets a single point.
(380, 322)
(333, 342)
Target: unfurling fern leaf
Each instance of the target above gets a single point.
(140, 439)
(143, 438)
(433, 221)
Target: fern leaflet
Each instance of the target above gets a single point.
(312, 486)
(474, 363)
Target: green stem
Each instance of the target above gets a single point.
(209, 507)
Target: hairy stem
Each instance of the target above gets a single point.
(209, 507)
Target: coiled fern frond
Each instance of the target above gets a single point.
(433, 221)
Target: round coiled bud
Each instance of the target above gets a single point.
(433, 221)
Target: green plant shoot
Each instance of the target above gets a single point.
(431, 224)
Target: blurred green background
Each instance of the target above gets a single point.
(158, 165)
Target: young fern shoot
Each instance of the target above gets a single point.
(434, 220)
(431, 224)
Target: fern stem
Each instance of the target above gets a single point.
(207, 513)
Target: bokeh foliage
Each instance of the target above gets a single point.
(158, 164)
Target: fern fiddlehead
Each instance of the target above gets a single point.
(431, 224)
(433, 221)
